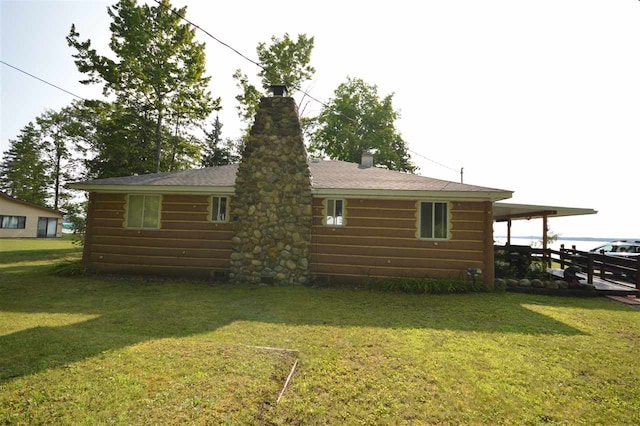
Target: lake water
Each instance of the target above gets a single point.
(582, 244)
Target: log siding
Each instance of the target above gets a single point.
(379, 239)
(187, 242)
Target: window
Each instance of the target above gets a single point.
(143, 211)
(434, 220)
(47, 227)
(219, 206)
(12, 222)
(335, 212)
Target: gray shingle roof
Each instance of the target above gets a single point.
(210, 176)
(343, 175)
(326, 174)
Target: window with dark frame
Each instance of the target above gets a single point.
(47, 227)
(434, 220)
(219, 206)
(12, 222)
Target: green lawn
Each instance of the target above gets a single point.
(131, 351)
(14, 250)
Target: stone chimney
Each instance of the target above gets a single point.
(367, 159)
(272, 204)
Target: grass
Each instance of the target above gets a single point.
(99, 350)
(13, 250)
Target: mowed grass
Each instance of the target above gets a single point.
(98, 350)
(14, 250)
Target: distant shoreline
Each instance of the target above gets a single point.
(539, 237)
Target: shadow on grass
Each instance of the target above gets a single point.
(32, 255)
(127, 312)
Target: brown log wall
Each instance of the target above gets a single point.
(187, 243)
(380, 240)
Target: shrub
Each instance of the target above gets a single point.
(69, 268)
(423, 285)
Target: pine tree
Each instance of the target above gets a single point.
(23, 170)
(216, 151)
(59, 131)
(158, 82)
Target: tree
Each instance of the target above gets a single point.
(216, 151)
(23, 172)
(284, 61)
(355, 120)
(118, 142)
(59, 131)
(157, 78)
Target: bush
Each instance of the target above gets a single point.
(69, 268)
(423, 285)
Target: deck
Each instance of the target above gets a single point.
(601, 274)
(606, 286)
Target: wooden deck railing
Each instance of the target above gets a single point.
(588, 262)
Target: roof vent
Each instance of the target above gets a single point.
(279, 89)
(367, 160)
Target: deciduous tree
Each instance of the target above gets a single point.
(357, 119)
(283, 62)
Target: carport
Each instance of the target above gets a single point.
(508, 212)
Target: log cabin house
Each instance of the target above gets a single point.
(366, 222)
(278, 217)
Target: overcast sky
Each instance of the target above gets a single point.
(538, 97)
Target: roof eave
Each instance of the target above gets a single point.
(508, 211)
(148, 189)
(318, 192)
(413, 194)
(33, 205)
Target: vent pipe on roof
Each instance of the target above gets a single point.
(279, 89)
(367, 159)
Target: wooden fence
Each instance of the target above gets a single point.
(593, 264)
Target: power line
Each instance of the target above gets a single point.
(294, 88)
(433, 161)
(241, 54)
(209, 34)
(44, 81)
(238, 53)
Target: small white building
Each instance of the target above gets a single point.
(21, 219)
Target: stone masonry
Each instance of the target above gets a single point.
(272, 204)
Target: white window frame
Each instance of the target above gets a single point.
(144, 207)
(330, 210)
(215, 212)
(421, 205)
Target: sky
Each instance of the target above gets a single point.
(541, 98)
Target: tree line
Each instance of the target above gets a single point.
(155, 83)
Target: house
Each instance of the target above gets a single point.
(21, 219)
(366, 222)
(279, 217)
